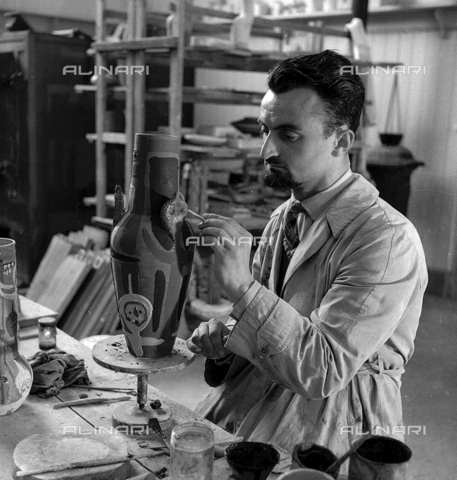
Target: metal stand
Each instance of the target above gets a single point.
(113, 354)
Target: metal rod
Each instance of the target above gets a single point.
(142, 391)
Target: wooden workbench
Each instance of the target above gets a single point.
(36, 415)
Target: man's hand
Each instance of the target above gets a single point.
(231, 245)
(209, 338)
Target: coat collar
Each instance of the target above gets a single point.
(357, 196)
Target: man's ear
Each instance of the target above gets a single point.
(344, 138)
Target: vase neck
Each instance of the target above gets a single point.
(155, 181)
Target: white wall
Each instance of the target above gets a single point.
(429, 113)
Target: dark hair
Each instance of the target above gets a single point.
(341, 90)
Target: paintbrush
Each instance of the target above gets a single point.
(84, 464)
(154, 425)
(90, 401)
(333, 468)
(130, 391)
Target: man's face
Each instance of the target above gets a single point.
(295, 151)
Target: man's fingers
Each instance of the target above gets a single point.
(192, 346)
(228, 224)
(208, 339)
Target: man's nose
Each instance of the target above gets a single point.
(268, 148)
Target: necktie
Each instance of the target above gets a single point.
(291, 239)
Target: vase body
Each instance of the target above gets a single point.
(15, 372)
(151, 271)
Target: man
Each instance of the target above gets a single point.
(321, 329)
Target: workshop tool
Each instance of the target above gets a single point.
(334, 467)
(90, 401)
(129, 391)
(194, 214)
(112, 353)
(85, 464)
(154, 425)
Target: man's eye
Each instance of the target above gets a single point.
(289, 136)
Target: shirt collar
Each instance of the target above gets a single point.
(318, 203)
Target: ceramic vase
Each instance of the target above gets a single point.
(240, 32)
(15, 372)
(151, 270)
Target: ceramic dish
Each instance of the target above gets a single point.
(209, 140)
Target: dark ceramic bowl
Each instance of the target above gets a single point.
(315, 457)
(390, 139)
(251, 460)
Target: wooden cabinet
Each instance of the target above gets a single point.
(46, 165)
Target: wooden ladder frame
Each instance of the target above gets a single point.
(135, 46)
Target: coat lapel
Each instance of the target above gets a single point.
(313, 240)
(356, 197)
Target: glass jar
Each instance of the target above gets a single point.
(47, 333)
(192, 452)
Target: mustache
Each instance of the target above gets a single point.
(273, 161)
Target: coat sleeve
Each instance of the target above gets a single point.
(377, 281)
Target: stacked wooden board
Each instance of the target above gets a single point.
(74, 279)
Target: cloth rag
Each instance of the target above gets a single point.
(54, 370)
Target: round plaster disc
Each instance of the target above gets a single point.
(49, 450)
(129, 419)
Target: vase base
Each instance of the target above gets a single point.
(113, 354)
(135, 421)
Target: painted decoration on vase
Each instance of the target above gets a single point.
(15, 371)
(151, 266)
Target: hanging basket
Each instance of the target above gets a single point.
(388, 137)
(391, 139)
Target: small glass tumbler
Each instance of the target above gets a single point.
(192, 452)
(47, 333)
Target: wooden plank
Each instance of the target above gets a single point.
(99, 237)
(31, 311)
(107, 137)
(140, 44)
(112, 318)
(85, 300)
(100, 106)
(64, 284)
(57, 251)
(177, 71)
(89, 326)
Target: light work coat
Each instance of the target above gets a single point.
(321, 360)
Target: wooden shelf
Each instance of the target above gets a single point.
(149, 43)
(190, 95)
(241, 60)
(388, 12)
(118, 138)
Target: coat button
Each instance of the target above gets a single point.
(263, 351)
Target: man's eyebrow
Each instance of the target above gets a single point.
(285, 126)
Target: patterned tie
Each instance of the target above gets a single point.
(291, 239)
